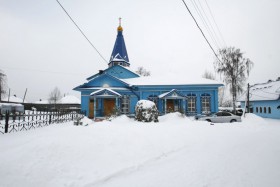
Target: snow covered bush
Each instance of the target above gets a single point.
(146, 111)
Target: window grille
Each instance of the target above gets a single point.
(205, 103)
(125, 104)
(191, 99)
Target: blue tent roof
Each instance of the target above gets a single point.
(119, 52)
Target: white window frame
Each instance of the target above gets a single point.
(205, 103)
(191, 105)
(125, 104)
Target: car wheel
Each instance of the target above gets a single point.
(233, 120)
(208, 120)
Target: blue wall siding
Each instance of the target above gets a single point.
(120, 72)
(102, 80)
(133, 101)
(143, 92)
(275, 113)
(85, 103)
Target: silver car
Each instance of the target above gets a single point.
(221, 117)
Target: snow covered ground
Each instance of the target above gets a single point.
(176, 152)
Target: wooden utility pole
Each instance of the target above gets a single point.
(24, 96)
(9, 95)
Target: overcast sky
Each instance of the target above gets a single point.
(40, 48)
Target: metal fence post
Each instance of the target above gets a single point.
(50, 118)
(7, 116)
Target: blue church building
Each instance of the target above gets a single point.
(119, 88)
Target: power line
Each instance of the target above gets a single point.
(211, 27)
(81, 31)
(215, 23)
(201, 30)
(204, 22)
(268, 92)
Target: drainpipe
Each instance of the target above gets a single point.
(165, 105)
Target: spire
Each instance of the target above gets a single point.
(119, 54)
(120, 25)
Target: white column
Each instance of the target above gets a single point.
(94, 108)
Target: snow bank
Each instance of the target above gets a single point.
(174, 152)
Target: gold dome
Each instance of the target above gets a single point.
(120, 28)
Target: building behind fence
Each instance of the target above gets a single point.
(14, 122)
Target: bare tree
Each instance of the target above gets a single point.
(3, 85)
(221, 91)
(142, 71)
(54, 96)
(208, 75)
(234, 69)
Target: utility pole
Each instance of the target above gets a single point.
(248, 101)
(9, 95)
(24, 96)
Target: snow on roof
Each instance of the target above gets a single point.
(14, 99)
(263, 92)
(169, 80)
(10, 104)
(42, 102)
(70, 99)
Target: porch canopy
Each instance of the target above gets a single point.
(105, 93)
(173, 95)
(108, 101)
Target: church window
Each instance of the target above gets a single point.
(205, 102)
(264, 109)
(125, 104)
(260, 109)
(191, 99)
(257, 109)
(269, 110)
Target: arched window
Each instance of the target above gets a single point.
(269, 110)
(257, 109)
(205, 103)
(260, 109)
(191, 99)
(264, 109)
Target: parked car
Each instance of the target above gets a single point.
(220, 117)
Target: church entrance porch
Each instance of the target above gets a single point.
(173, 101)
(173, 105)
(103, 103)
(109, 106)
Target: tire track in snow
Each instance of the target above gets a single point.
(134, 168)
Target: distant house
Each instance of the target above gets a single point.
(264, 99)
(66, 102)
(14, 99)
(119, 88)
